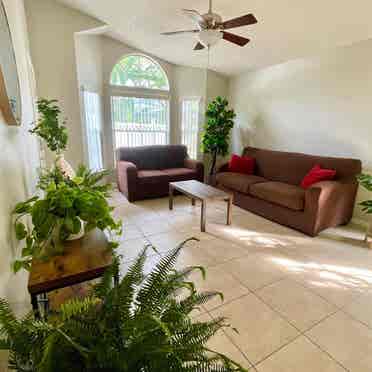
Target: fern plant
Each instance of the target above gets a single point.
(141, 324)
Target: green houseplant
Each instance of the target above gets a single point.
(141, 324)
(217, 129)
(366, 181)
(49, 127)
(69, 203)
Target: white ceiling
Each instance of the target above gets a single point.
(287, 28)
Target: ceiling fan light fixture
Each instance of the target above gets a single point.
(210, 37)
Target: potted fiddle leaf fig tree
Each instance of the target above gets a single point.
(217, 130)
(68, 204)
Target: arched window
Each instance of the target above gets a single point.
(139, 102)
(138, 71)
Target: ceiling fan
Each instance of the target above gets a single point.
(211, 28)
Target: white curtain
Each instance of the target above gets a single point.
(93, 129)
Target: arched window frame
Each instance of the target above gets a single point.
(138, 92)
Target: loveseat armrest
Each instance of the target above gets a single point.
(197, 165)
(331, 203)
(127, 179)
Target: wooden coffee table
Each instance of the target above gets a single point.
(200, 191)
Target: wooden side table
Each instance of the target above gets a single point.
(83, 260)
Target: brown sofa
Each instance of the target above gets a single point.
(145, 172)
(274, 190)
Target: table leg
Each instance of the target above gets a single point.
(116, 279)
(203, 215)
(170, 197)
(193, 202)
(229, 210)
(35, 306)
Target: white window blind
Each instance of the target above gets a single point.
(93, 129)
(140, 121)
(190, 125)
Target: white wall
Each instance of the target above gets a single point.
(217, 85)
(51, 28)
(89, 61)
(18, 159)
(319, 106)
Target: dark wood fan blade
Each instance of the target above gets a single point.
(236, 39)
(179, 32)
(246, 20)
(199, 46)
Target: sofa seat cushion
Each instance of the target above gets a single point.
(165, 175)
(290, 196)
(238, 181)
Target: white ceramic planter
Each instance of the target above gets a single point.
(79, 235)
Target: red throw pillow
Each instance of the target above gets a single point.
(317, 174)
(242, 164)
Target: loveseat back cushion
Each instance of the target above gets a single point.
(286, 195)
(238, 181)
(154, 157)
(290, 167)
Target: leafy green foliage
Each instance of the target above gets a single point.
(67, 204)
(366, 181)
(141, 324)
(49, 127)
(217, 129)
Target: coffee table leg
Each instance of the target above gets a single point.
(229, 210)
(203, 215)
(170, 197)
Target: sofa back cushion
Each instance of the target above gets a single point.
(154, 157)
(290, 167)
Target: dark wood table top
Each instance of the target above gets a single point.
(84, 259)
(199, 190)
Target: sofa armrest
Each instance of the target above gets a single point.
(223, 168)
(127, 178)
(331, 203)
(196, 165)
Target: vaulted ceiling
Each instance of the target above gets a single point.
(286, 29)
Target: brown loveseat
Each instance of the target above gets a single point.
(274, 190)
(145, 172)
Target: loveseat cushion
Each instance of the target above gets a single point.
(165, 175)
(238, 181)
(290, 196)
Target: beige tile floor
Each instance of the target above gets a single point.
(300, 304)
